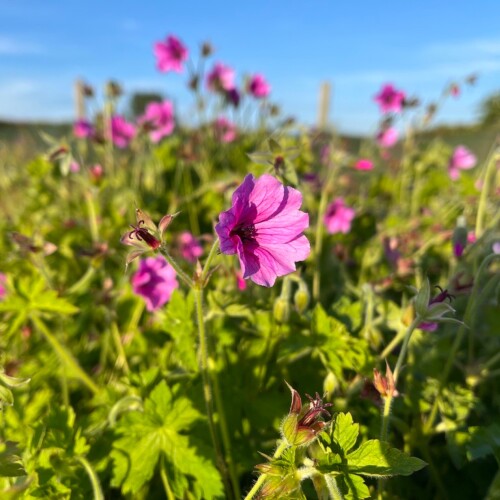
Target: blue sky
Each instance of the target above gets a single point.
(357, 46)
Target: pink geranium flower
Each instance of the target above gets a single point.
(461, 159)
(122, 132)
(189, 246)
(225, 130)
(170, 54)
(155, 281)
(338, 217)
(386, 138)
(264, 227)
(83, 129)
(159, 119)
(389, 99)
(3, 280)
(258, 86)
(363, 164)
(221, 78)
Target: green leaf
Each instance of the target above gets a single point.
(352, 486)
(345, 432)
(377, 458)
(422, 298)
(147, 435)
(6, 397)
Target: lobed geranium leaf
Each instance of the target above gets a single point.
(379, 459)
(345, 432)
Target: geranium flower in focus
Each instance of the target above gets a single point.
(363, 164)
(155, 280)
(265, 228)
(221, 78)
(338, 217)
(389, 99)
(122, 132)
(189, 247)
(387, 137)
(170, 54)
(158, 119)
(461, 159)
(225, 130)
(83, 129)
(258, 86)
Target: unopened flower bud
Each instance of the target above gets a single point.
(207, 49)
(330, 384)
(386, 386)
(281, 310)
(301, 298)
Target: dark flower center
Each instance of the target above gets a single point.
(142, 234)
(245, 232)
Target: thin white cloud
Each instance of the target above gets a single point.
(477, 48)
(11, 46)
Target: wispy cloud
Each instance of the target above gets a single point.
(476, 48)
(11, 46)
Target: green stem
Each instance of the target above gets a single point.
(386, 415)
(164, 480)
(404, 348)
(260, 481)
(318, 241)
(63, 353)
(177, 268)
(392, 344)
(208, 262)
(205, 374)
(333, 488)
(94, 478)
(121, 359)
(92, 215)
(488, 178)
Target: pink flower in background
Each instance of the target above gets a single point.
(74, 167)
(461, 159)
(190, 247)
(83, 129)
(122, 132)
(159, 119)
(96, 172)
(225, 130)
(338, 217)
(363, 164)
(496, 247)
(221, 78)
(170, 54)
(258, 86)
(3, 291)
(389, 99)
(386, 138)
(264, 227)
(155, 280)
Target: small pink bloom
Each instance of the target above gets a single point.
(389, 99)
(258, 86)
(190, 247)
(428, 326)
(170, 54)
(265, 228)
(155, 280)
(3, 291)
(122, 132)
(159, 119)
(225, 130)
(221, 78)
(471, 237)
(363, 164)
(461, 159)
(96, 172)
(338, 217)
(83, 129)
(496, 247)
(387, 138)
(74, 167)
(240, 282)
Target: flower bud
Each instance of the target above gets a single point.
(301, 298)
(281, 310)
